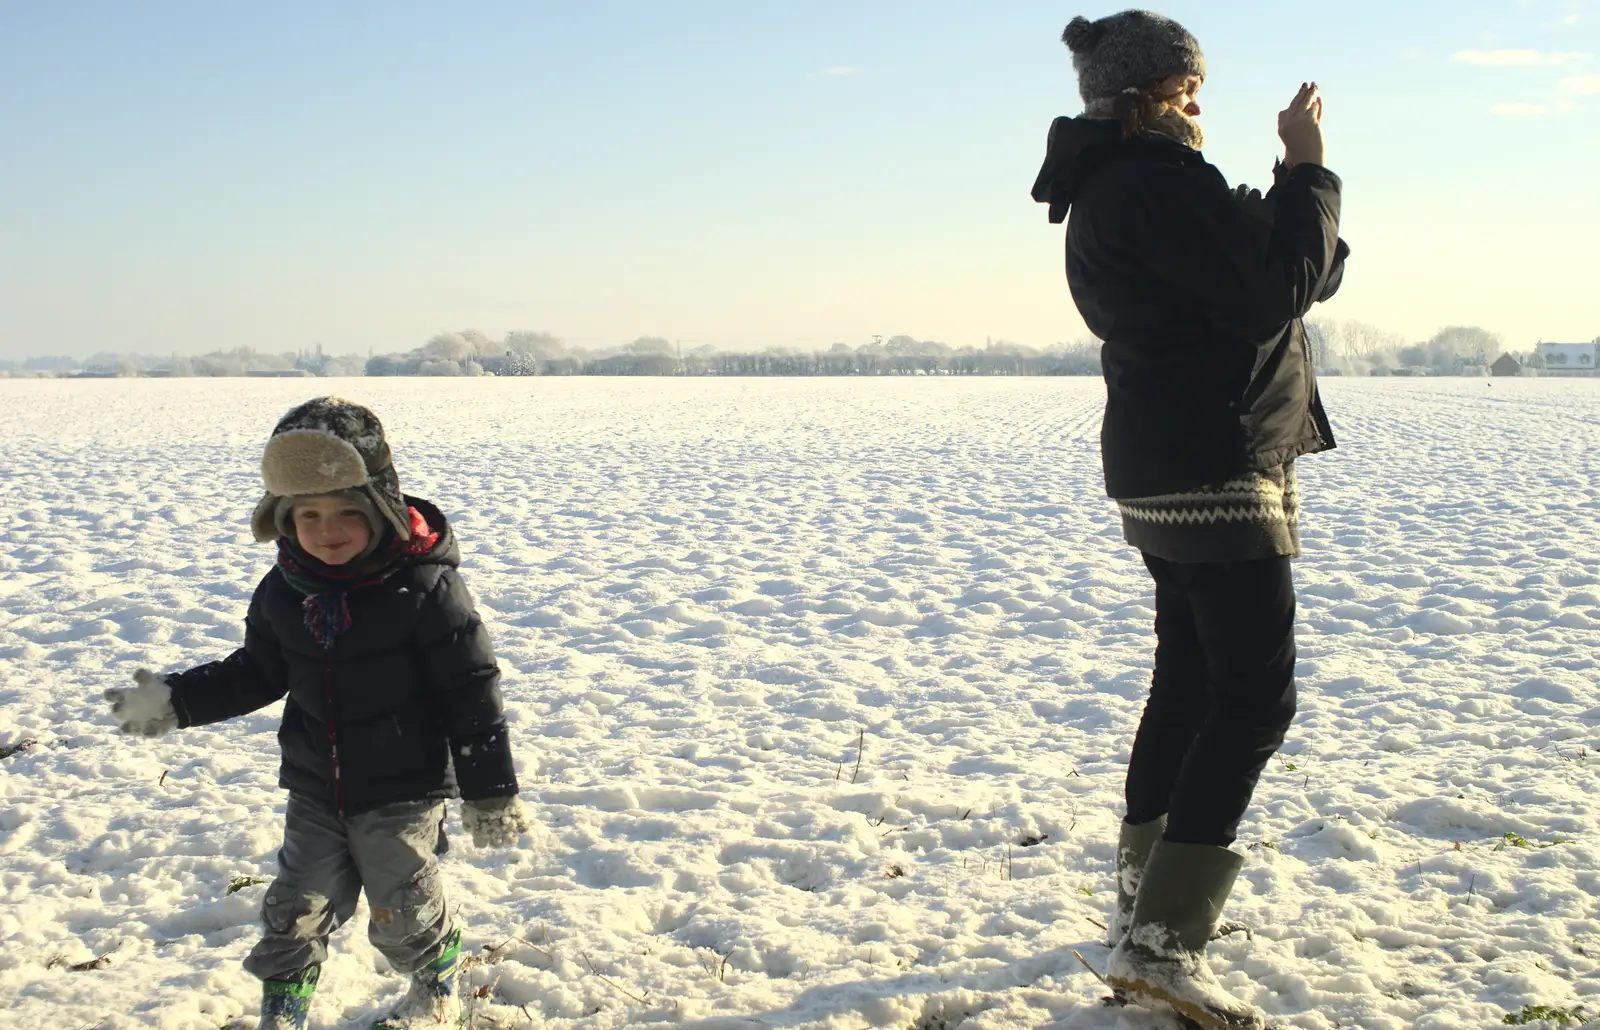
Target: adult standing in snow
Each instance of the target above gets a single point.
(1198, 291)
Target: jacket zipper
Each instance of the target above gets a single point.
(333, 734)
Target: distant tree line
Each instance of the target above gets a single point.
(1356, 348)
(473, 353)
(1339, 347)
(240, 361)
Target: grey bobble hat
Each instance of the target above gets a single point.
(1128, 51)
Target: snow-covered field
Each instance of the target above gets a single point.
(706, 594)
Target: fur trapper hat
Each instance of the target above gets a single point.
(325, 446)
(1128, 51)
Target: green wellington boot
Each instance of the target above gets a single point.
(1162, 958)
(434, 999)
(1133, 851)
(286, 1004)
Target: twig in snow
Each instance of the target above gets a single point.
(95, 1026)
(1098, 923)
(1117, 997)
(611, 983)
(861, 744)
(478, 994)
(163, 781)
(491, 951)
(17, 748)
(1092, 970)
(99, 962)
(716, 969)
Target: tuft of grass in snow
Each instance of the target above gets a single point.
(715, 964)
(1547, 1014)
(1517, 840)
(239, 883)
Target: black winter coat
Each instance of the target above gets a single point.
(1198, 301)
(405, 705)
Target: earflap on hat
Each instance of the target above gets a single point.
(384, 490)
(264, 520)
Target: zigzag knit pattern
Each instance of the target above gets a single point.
(1258, 497)
(1249, 516)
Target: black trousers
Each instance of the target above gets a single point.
(1222, 696)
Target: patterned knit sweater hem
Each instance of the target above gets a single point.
(1253, 516)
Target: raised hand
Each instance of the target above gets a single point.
(1300, 127)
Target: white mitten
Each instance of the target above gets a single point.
(494, 822)
(146, 710)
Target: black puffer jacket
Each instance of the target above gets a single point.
(1198, 301)
(405, 705)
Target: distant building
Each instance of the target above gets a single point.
(278, 373)
(1569, 359)
(1506, 365)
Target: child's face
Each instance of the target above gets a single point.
(330, 529)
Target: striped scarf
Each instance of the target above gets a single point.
(325, 589)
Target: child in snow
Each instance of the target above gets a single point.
(393, 706)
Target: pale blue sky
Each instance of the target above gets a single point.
(183, 176)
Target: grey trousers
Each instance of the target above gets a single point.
(324, 864)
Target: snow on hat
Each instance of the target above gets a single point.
(325, 446)
(1129, 51)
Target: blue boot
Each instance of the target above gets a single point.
(286, 1004)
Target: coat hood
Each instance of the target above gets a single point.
(1077, 148)
(443, 550)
